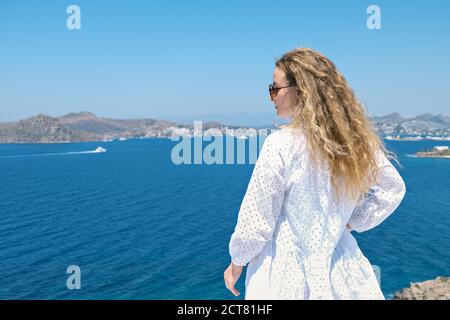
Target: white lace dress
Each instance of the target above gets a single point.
(291, 232)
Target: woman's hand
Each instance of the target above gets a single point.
(231, 276)
(349, 227)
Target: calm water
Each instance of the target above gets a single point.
(141, 227)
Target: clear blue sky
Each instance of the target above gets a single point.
(182, 58)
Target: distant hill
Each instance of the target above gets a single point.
(85, 126)
(40, 129)
(390, 118)
(242, 119)
(425, 124)
(90, 123)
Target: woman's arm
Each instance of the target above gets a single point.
(261, 205)
(382, 200)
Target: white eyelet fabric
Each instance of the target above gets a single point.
(291, 231)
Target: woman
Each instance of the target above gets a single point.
(315, 180)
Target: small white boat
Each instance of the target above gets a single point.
(99, 149)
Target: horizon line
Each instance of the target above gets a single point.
(165, 117)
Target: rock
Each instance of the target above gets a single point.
(39, 129)
(437, 289)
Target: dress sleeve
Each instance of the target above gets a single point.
(381, 200)
(260, 206)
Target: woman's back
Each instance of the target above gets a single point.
(292, 228)
(315, 218)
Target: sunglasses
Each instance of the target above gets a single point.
(273, 91)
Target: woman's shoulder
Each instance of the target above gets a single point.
(286, 139)
(287, 134)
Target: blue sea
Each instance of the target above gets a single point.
(140, 227)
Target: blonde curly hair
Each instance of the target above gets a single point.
(334, 121)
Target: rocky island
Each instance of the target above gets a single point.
(437, 152)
